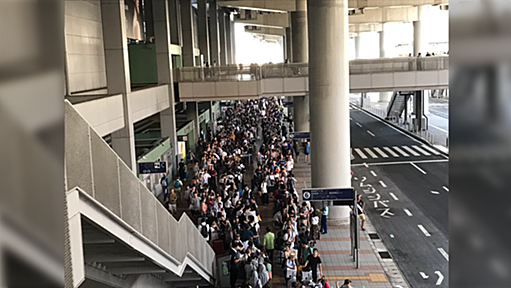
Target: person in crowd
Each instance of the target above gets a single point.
(314, 262)
(360, 211)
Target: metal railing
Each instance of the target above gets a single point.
(95, 168)
(286, 70)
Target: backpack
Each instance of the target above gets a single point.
(204, 231)
(177, 184)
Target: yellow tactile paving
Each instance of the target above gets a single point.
(371, 277)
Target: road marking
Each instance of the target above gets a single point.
(374, 174)
(420, 150)
(430, 149)
(444, 253)
(443, 130)
(371, 153)
(351, 118)
(424, 230)
(387, 211)
(440, 278)
(383, 203)
(375, 204)
(360, 153)
(423, 275)
(370, 133)
(411, 151)
(365, 164)
(417, 167)
(383, 184)
(393, 196)
(400, 151)
(358, 124)
(435, 192)
(445, 188)
(391, 152)
(381, 152)
(402, 162)
(408, 212)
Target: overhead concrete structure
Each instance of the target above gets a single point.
(383, 15)
(367, 27)
(265, 30)
(300, 55)
(265, 19)
(203, 30)
(329, 102)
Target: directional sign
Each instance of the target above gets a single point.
(325, 194)
(300, 135)
(182, 138)
(152, 167)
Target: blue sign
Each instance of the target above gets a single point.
(300, 135)
(182, 138)
(152, 167)
(325, 194)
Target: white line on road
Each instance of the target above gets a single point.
(391, 152)
(351, 118)
(421, 150)
(360, 153)
(440, 278)
(375, 204)
(374, 174)
(365, 164)
(393, 196)
(436, 127)
(402, 162)
(381, 152)
(446, 189)
(408, 212)
(411, 151)
(388, 125)
(383, 184)
(417, 167)
(430, 149)
(435, 192)
(383, 203)
(401, 151)
(423, 275)
(444, 253)
(424, 230)
(370, 133)
(358, 124)
(371, 153)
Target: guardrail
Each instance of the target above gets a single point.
(286, 70)
(95, 168)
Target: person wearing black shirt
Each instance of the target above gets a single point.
(235, 260)
(314, 262)
(360, 211)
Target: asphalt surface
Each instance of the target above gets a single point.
(406, 197)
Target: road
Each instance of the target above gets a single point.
(404, 184)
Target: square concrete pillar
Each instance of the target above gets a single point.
(188, 33)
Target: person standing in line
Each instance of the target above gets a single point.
(269, 243)
(314, 262)
(307, 151)
(324, 217)
(173, 202)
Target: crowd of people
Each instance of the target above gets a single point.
(223, 204)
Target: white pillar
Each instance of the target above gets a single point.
(188, 38)
(381, 34)
(357, 46)
(162, 37)
(192, 113)
(223, 41)
(417, 34)
(213, 33)
(118, 75)
(300, 55)
(203, 30)
(329, 103)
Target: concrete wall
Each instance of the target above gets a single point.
(84, 45)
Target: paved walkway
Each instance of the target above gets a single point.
(335, 249)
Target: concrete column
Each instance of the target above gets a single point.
(300, 55)
(223, 41)
(357, 47)
(162, 31)
(228, 38)
(289, 44)
(188, 39)
(213, 33)
(175, 22)
(382, 43)
(233, 43)
(417, 34)
(418, 109)
(192, 113)
(329, 90)
(203, 30)
(118, 75)
(385, 97)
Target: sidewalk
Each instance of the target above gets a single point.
(335, 249)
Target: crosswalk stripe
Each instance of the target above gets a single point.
(360, 153)
(371, 153)
(381, 152)
(391, 152)
(400, 151)
(430, 149)
(420, 150)
(411, 151)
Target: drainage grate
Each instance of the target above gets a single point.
(385, 255)
(374, 236)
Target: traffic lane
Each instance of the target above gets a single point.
(425, 190)
(413, 251)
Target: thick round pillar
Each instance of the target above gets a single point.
(381, 35)
(300, 54)
(417, 38)
(329, 101)
(357, 47)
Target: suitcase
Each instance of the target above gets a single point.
(218, 246)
